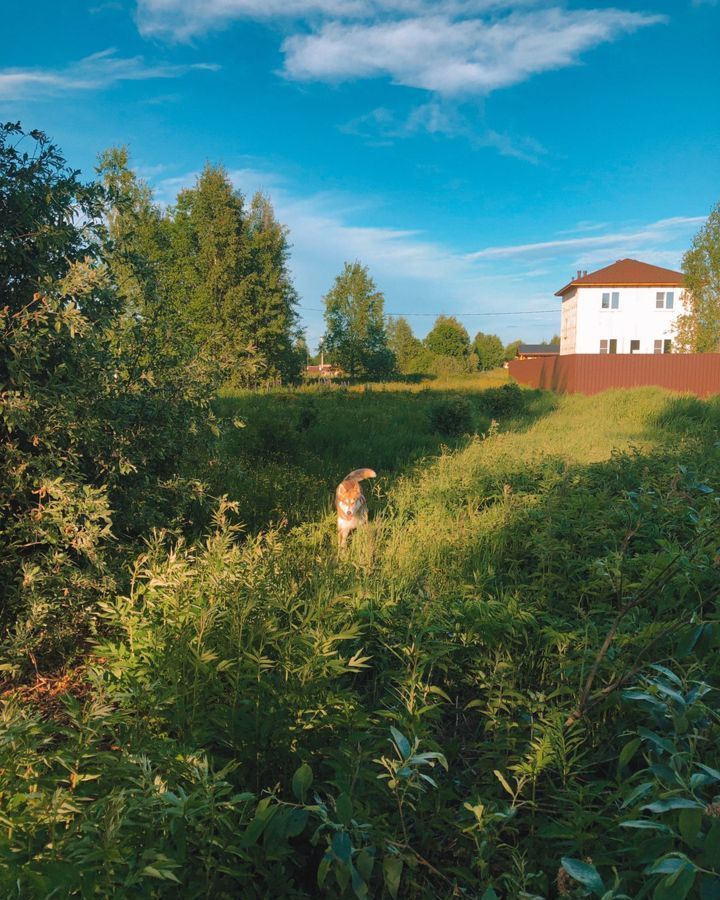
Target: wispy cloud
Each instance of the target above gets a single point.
(659, 232)
(454, 50)
(451, 47)
(183, 19)
(101, 70)
(382, 125)
(456, 56)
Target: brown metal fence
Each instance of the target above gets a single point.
(587, 373)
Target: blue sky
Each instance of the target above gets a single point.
(473, 153)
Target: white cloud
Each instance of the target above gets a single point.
(91, 73)
(183, 19)
(454, 49)
(446, 46)
(381, 125)
(456, 56)
(662, 231)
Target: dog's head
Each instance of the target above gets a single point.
(349, 496)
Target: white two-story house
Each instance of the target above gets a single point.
(628, 307)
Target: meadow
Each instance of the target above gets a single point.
(507, 687)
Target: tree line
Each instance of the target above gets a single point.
(363, 342)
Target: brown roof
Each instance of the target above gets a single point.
(626, 273)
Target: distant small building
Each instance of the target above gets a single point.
(326, 370)
(627, 307)
(530, 351)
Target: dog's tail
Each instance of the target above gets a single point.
(360, 475)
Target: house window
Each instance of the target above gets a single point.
(664, 299)
(611, 300)
(603, 346)
(663, 346)
(608, 346)
(613, 345)
(634, 346)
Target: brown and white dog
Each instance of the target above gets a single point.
(350, 503)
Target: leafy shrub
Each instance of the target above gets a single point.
(92, 430)
(449, 366)
(307, 415)
(503, 401)
(451, 417)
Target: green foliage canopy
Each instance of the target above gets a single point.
(356, 338)
(403, 344)
(698, 330)
(448, 338)
(489, 350)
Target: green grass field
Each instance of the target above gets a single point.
(462, 704)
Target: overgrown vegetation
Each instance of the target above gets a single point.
(507, 687)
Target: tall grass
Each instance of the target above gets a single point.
(462, 704)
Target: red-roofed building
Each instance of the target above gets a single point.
(627, 307)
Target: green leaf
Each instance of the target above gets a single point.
(677, 886)
(648, 825)
(434, 689)
(323, 870)
(688, 641)
(661, 806)
(711, 845)
(660, 742)
(628, 751)
(642, 695)
(365, 862)
(402, 742)
(392, 872)
(669, 864)
(263, 815)
(690, 823)
(341, 846)
(302, 779)
(584, 873)
(635, 794)
(489, 895)
(360, 889)
(668, 673)
(297, 821)
(343, 807)
(503, 781)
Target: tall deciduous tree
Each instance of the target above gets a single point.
(448, 338)
(489, 351)
(356, 338)
(403, 343)
(698, 330)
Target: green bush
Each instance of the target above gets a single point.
(451, 417)
(507, 400)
